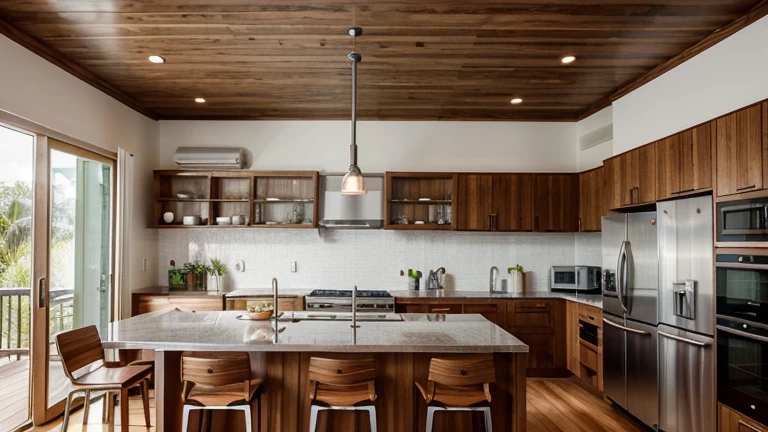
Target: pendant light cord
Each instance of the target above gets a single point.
(353, 145)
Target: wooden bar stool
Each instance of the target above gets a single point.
(82, 357)
(461, 384)
(218, 381)
(344, 385)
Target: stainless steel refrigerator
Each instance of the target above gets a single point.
(630, 315)
(686, 316)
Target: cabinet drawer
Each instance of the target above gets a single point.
(146, 304)
(488, 311)
(591, 314)
(532, 313)
(541, 350)
(588, 357)
(445, 308)
(733, 421)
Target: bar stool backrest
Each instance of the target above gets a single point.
(462, 373)
(210, 369)
(78, 349)
(341, 372)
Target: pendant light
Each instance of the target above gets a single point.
(352, 183)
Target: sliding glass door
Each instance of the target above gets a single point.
(76, 260)
(16, 185)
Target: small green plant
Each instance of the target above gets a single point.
(516, 268)
(177, 278)
(197, 268)
(218, 268)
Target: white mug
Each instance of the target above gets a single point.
(168, 217)
(238, 219)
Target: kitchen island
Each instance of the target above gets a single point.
(402, 349)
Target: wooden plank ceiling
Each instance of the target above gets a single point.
(422, 59)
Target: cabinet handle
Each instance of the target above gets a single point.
(742, 423)
(745, 188)
(495, 222)
(441, 310)
(579, 223)
(490, 222)
(535, 222)
(41, 293)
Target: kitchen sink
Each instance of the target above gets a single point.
(338, 316)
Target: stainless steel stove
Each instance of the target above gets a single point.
(341, 301)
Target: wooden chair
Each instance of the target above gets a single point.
(82, 357)
(345, 385)
(218, 381)
(460, 384)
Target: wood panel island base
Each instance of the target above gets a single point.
(402, 349)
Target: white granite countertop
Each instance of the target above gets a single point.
(263, 292)
(175, 330)
(589, 299)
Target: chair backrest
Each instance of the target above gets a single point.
(79, 348)
(212, 369)
(462, 371)
(342, 372)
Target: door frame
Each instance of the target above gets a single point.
(41, 236)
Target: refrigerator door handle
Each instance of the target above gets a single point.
(682, 339)
(621, 275)
(621, 327)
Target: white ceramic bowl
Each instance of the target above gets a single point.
(168, 217)
(223, 220)
(191, 220)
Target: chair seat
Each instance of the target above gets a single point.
(455, 396)
(114, 377)
(225, 395)
(348, 395)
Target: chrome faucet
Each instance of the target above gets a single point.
(354, 308)
(494, 275)
(275, 313)
(435, 279)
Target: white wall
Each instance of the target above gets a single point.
(36, 90)
(724, 78)
(593, 157)
(384, 145)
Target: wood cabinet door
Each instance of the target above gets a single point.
(732, 421)
(628, 176)
(612, 183)
(445, 308)
(474, 202)
(572, 337)
(541, 349)
(556, 203)
(669, 170)
(488, 311)
(696, 158)
(739, 138)
(645, 174)
(591, 201)
(512, 206)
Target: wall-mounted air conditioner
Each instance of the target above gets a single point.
(210, 157)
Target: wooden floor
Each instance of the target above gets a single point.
(14, 394)
(554, 405)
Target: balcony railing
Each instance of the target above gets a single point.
(15, 316)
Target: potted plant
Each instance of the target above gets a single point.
(218, 269)
(197, 276)
(515, 279)
(177, 278)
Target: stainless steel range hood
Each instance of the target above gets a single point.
(352, 211)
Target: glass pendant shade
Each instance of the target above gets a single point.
(352, 183)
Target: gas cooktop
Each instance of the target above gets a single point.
(348, 293)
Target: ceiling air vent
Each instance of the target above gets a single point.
(210, 157)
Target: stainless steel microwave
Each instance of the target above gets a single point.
(581, 279)
(742, 220)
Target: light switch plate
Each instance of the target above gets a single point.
(240, 266)
(294, 267)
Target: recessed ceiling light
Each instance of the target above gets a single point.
(156, 59)
(516, 100)
(200, 100)
(568, 59)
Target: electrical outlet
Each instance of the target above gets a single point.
(294, 267)
(240, 266)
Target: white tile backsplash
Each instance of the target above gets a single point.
(372, 259)
(589, 249)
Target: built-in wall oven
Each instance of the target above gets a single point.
(742, 333)
(742, 221)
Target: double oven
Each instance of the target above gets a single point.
(742, 332)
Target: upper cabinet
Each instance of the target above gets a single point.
(684, 162)
(630, 178)
(556, 203)
(235, 199)
(494, 202)
(591, 201)
(741, 139)
(420, 201)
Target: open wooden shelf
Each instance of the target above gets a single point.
(233, 193)
(404, 192)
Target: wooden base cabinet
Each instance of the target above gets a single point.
(585, 360)
(733, 421)
(540, 324)
(144, 303)
(283, 303)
